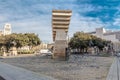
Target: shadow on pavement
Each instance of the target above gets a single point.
(1, 78)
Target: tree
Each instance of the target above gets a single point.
(82, 41)
(20, 40)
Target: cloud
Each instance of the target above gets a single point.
(36, 15)
(82, 23)
(116, 21)
(40, 26)
(32, 16)
(83, 8)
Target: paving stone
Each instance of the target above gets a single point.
(10, 72)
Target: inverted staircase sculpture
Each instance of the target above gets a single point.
(60, 25)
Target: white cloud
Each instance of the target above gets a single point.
(116, 21)
(35, 16)
(86, 24)
(31, 18)
(40, 25)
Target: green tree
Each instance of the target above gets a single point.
(83, 41)
(19, 40)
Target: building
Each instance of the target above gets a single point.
(113, 36)
(7, 29)
(43, 46)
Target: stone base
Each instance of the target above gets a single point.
(60, 49)
(59, 57)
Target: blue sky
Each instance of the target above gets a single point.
(35, 15)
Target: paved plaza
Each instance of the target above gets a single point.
(9, 72)
(78, 67)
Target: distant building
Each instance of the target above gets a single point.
(43, 46)
(27, 48)
(113, 36)
(7, 29)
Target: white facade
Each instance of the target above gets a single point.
(7, 29)
(100, 32)
(109, 35)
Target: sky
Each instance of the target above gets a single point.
(35, 16)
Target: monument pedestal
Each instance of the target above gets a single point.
(60, 24)
(60, 49)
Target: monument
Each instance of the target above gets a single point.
(60, 25)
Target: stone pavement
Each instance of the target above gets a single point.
(113, 71)
(10, 72)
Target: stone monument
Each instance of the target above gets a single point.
(60, 24)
